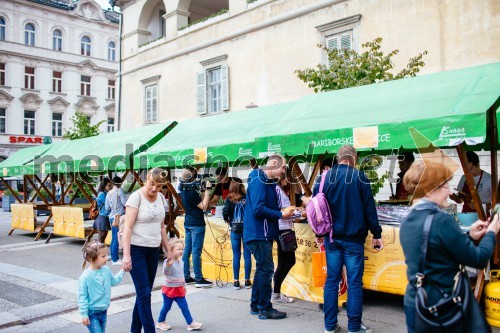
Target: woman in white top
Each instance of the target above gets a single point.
(286, 260)
(143, 233)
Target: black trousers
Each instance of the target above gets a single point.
(286, 260)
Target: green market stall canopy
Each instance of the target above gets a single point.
(448, 108)
(105, 152)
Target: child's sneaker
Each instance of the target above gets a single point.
(236, 285)
(248, 284)
(281, 298)
(194, 326)
(163, 326)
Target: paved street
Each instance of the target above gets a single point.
(39, 284)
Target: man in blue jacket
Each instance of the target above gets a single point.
(260, 229)
(353, 213)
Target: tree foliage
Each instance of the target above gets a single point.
(348, 68)
(81, 127)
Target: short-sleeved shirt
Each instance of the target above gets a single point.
(222, 189)
(194, 215)
(148, 224)
(483, 188)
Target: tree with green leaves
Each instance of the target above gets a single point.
(81, 127)
(348, 68)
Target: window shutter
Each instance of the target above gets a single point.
(345, 41)
(332, 43)
(201, 93)
(224, 87)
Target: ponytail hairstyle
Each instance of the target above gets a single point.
(91, 251)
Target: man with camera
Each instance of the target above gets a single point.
(194, 224)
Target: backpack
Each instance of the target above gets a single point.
(93, 210)
(239, 214)
(318, 212)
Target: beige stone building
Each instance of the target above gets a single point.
(189, 58)
(55, 56)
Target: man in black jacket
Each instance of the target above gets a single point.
(353, 213)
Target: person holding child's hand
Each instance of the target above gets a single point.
(94, 291)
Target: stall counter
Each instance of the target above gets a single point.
(384, 271)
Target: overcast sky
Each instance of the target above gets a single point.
(104, 3)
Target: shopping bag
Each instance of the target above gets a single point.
(318, 269)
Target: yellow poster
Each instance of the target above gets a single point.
(365, 137)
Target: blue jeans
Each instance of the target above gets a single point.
(410, 318)
(97, 321)
(181, 303)
(144, 265)
(195, 236)
(236, 240)
(261, 289)
(338, 254)
(113, 248)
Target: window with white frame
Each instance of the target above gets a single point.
(89, 119)
(29, 122)
(85, 85)
(111, 51)
(151, 104)
(2, 74)
(29, 77)
(56, 124)
(57, 40)
(29, 34)
(340, 34)
(2, 28)
(213, 89)
(111, 125)
(3, 121)
(85, 46)
(111, 89)
(57, 81)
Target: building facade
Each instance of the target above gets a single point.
(55, 56)
(189, 58)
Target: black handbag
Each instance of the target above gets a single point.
(288, 241)
(458, 312)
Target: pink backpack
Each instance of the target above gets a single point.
(318, 212)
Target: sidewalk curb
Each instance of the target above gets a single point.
(61, 312)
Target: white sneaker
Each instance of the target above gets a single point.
(117, 263)
(336, 329)
(282, 298)
(194, 326)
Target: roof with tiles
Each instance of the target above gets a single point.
(68, 5)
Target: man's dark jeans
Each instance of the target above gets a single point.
(338, 254)
(144, 266)
(261, 289)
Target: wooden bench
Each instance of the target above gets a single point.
(69, 221)
(23, 217)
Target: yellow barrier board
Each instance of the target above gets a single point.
(23, 217)
(384, 271)
(68, 221)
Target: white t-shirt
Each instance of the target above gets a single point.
(283, 202)
(148, 224)
(483, 188)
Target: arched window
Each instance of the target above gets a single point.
(86, 47)
(57, 40)
(111, 51)
(29, 34)
(2, 28)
